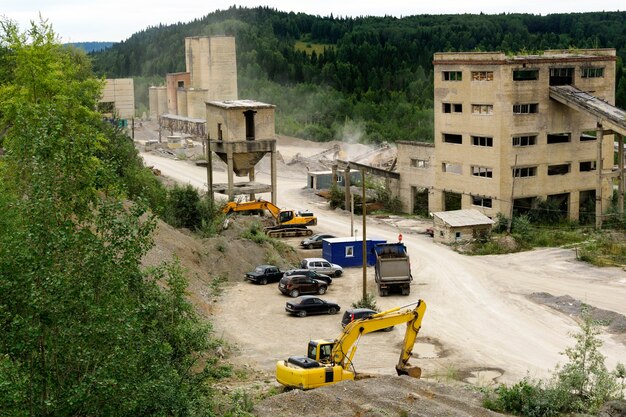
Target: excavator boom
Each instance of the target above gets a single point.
(288, 223)
(321, 368)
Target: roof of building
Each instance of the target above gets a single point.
(243, 104)
(354, 239)
(459, 218)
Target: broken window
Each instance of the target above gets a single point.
(558, 138)
(559, 169)
(452, 138)
(588, 135)
(561, 76)
(592, 72)
(452, 107)
(586, 166)
(452, 75)
(482, 141)
(181, 84)
(482, 108)
(525, 74)
(482, 75)
(482, 201)
(482, 171)
(418, 163)
(525, 172)
(525, 108)
(451, 168)
(527, 140)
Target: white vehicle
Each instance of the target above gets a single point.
(322, 266)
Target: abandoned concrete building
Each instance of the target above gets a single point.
(517, 129)
(211, 74)
(118, 98)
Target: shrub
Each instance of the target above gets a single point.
(183, 207)
(368, 302)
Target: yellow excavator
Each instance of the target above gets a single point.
(288, 223)
(329, 361)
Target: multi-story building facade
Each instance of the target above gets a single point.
(500, 138)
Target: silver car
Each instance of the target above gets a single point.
(322, 266)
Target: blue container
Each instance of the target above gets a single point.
(348, 251)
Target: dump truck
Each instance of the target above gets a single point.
(392, 268)
(287, 223)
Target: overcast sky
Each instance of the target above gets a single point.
(117, 20)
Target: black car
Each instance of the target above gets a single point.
(358, 313)
(309, 273)
(310, 304)
(315, 241)
(263, 274)
(295, 285)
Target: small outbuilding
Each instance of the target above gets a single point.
(457, 226)
(348, 251)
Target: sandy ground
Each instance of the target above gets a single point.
(480, 325)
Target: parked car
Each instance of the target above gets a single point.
(295, 285)
(263, 274)
(358, 313)
(309, 304)
(322, 266)
(315, 241)
(311, 273)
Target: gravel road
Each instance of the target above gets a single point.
(479, 324)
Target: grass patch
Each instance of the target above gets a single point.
(309, 47)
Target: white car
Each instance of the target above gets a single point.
(322, 266)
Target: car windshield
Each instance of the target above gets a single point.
(259, 269)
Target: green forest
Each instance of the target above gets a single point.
(363, 78)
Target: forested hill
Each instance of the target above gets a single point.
(368, 77)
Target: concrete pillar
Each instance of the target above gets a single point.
(334, 176)
(273, 173)
(435, 200)
(347, 181)
(599, 139)
(620, 185)
(574, 206)
(229, 170)
(251, 179)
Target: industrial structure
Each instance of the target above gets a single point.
(118, 98)
(513, 130)
(241, 132)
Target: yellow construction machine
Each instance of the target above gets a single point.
(329, 361)
(288, 223)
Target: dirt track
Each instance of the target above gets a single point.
(479, 317)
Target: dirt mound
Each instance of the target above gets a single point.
(380, 396)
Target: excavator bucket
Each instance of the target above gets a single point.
(412, 371)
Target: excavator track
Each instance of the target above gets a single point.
(280, 231)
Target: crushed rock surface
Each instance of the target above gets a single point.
(379, 396)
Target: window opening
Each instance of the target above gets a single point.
(559, 169)
(482, 75)
(452, 76)
(525, 74)
(525, 108)
(181, 84)
(592, 72)
(452, 107)
(249, 116)
(586, 166)
(482, 201)
(349, 251)
(482, 141)
(561, 76)
(525, 172)
(482, 172)
(452, 138)
(588, 135)
(482, 109)
(451, 168)
(528, 140)
(418, 163)
(558, 138)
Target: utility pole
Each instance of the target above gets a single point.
(364, 235)
(351, 215)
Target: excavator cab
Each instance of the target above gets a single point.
(285, 216)
(321, 350)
